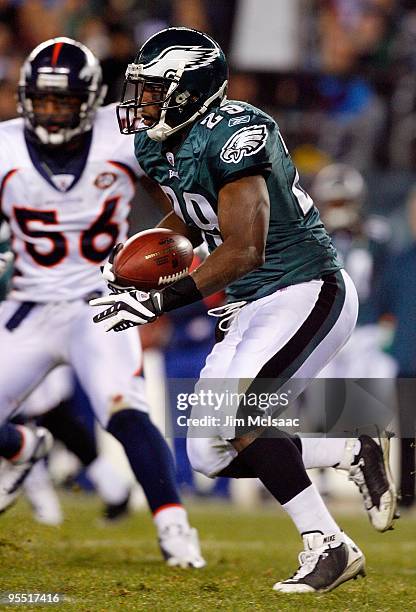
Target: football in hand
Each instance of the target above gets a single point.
(153, 259)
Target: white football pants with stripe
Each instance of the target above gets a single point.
(287, 336)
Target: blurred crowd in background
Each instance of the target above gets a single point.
(339, 76)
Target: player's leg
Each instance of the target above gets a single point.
(33, 444)
(366, 461)
(275, 336)
(38, 488)
(10, 440)
(79, 438)
(25, 355)
(363, 459)
(24, 361)
(117, 399)
(106, 366)
(40, 492)
(292, 333)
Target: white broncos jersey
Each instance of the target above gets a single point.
(62, 233)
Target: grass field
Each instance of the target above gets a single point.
(119, 567)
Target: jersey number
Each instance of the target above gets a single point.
(102, 225)
(197, 210)
(302, 197)
(212, 119)
(58, 244)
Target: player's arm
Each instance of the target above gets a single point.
(170, 220)
(245, 200)
(175, 223)
(243, 212)
(243, 216)
(156, 194)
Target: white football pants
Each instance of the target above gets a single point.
(35, 340)
(289, 335)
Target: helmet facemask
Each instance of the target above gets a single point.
(141, 94)
(60, 127)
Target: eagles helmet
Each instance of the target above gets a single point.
(68, 71)
(181, 71)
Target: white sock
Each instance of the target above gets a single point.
(309, 513)
(39, 490)
(110, 484)
(323, 452)
(170, 515)
(28, 444)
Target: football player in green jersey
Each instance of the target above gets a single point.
(231, 182)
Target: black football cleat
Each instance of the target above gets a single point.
(327, 561)
(370, 470)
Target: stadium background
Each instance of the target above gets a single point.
(338, 75)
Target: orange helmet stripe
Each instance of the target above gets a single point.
(56, 51)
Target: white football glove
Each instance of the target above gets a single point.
(6, 260)
(128, 309)
(107, 272)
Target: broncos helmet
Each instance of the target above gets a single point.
(185, 71)
(69, 72)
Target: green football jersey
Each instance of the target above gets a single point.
(231, 141)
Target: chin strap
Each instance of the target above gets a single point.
(162, 130)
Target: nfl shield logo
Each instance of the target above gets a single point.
(170, 158)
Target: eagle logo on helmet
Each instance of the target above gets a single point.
(247, 141)
(166, 63)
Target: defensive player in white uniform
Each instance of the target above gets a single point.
(67, 178)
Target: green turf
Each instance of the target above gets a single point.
(119, 567)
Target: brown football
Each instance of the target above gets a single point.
(153, 259)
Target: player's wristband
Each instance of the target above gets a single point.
(181, 293)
